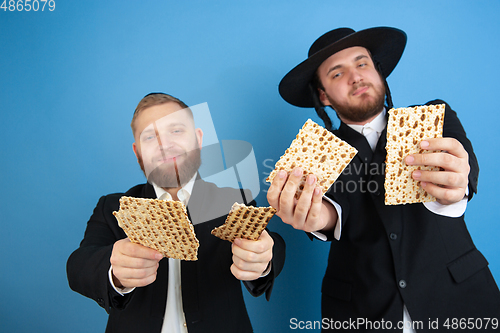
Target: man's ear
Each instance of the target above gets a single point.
(134, 147)
(323, 98)
(199, 137)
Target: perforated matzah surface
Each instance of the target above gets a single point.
(244, 222)
(405, 129)
(317, 151)
(160, 225)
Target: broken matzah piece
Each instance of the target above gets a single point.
(158, 224)
(405, 129)
(244, 222)
(317, 151)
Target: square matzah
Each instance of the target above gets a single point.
(244, 222)
(158, 224)
(405, 129)
(317, 151)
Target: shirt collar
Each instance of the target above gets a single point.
(377, 124)
(183, 194)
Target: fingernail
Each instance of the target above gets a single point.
(298, 172)
(409, 159)
(282, 174)
(416, 174)
(158, 256)
(317, 191)
(311, 179)
(424, 144)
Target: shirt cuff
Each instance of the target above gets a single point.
(338, 226)
(121, 291)
(456, 209)
(267, 271)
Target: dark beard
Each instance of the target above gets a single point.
(173, 175)
(362, 113)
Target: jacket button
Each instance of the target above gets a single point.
(393, 236)
(402, 284)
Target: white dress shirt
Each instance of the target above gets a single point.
(174, 320)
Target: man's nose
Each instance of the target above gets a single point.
(165, 141)
(355, 76)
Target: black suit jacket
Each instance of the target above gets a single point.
(212, 296)
(388, 256)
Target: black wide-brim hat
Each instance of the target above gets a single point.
(385, 44)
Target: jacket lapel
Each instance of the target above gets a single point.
(148, 192)
(198, 202)
(358, 141)
(380, 153)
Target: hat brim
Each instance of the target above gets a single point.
(385, 44)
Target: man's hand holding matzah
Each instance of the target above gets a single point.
(154, 229)
(134, 265)
(252, 246)
(449, 184)
(421, 165)
(309, 212)
(312, 163)
(251, 257)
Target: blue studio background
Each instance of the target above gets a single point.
(71, 78)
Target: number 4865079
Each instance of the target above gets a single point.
(27, 5)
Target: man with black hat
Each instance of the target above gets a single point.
(409, 267)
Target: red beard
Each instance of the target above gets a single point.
(174, 174)
(364, 111)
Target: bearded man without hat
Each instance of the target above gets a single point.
(414, 264)
(141, 290)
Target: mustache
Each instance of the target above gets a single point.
(164, 154)
(174, 174)
(360, 85)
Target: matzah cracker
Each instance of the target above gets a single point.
(159, 224)
(317, 151)
(244, 222)
(405, 129)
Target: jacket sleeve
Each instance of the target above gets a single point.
(453, 128)
(87, 267)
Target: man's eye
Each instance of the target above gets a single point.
(148, 138)
(362, 64)
(336, 75)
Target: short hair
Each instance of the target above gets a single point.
(153, 99)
